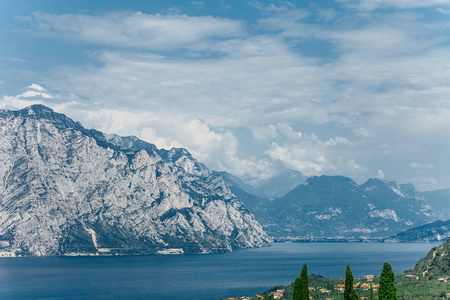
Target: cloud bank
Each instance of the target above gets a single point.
(322, 91)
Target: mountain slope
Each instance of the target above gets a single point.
(66, 189)
(431, 232)
(335, 207)
(440, 201)
(436, 263)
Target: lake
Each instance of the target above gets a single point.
(203, 277)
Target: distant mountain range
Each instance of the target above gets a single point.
(431, 232)
(336, 208)
(68, 190)
(440, 201)
(274, 187)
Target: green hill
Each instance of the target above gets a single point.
(436, 264)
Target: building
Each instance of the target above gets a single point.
(278, 294)
(369, 277)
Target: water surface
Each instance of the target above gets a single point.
(202, 277)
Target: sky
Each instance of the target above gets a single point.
(359, 88)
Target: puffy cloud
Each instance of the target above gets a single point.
(311, 156)
(380, 174)
(37, 87)
(366, 98)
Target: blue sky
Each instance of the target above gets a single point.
(358, 88)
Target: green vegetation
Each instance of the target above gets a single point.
(301, 291)
(349, 292)
(387, 285)
(408, 288)
(436, 264)
(297, 289)
(429, 280)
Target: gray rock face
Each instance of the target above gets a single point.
(65, 189)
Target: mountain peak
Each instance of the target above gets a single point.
(327, 179)
(94, 193)
(39, 108)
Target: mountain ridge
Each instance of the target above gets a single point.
(337, 208)
(67, 189)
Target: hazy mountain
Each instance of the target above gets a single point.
(440, 202)
(338, 208)
(274, 187)
(431, 232)
(66, 189)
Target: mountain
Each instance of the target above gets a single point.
(436, 263)
(431, 232)
(440, 202)
(273, 187)
(335, 207)
(65, 189)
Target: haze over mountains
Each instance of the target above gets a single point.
(335, 207)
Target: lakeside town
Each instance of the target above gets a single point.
(330, 289)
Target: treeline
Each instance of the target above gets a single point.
(386, 291)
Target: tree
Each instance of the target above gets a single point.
(388, 290)
(301, 291)
(349, 291)
(305, 283)
(297, 289)
(371, 292)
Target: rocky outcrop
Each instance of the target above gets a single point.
(68, 190)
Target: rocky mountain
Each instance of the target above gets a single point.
(335, 207)
(274, 187)
(68, 190)
(432, 232)
(436, 264)
(440, 202)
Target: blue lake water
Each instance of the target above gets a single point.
(203, 277)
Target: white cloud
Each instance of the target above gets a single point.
(376, 4)
(136, 30)
(31, 94)
(311, 156)
(35, 86)
(443, 11)
(368, 100)
(380, 174)
(415, 165)
(198, 3)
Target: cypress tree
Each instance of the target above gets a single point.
(297, 289)
(349, 291)
(388, 290)
(371, 292)
(301, 291)
(304, 283)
